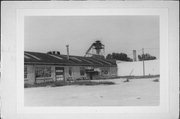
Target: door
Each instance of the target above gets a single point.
(59, 73)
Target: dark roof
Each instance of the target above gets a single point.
(54, 59)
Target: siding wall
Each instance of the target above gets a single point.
(113, 71)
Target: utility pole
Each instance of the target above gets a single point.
(143, 62)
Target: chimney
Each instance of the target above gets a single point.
(134, 55)
(67, 51)
(54, 52)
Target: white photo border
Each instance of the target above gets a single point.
(163, 17)
(12, 60)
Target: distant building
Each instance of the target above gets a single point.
(52, 66)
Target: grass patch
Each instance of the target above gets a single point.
(93, 83)
(28, 85)
(84, 82)
(59, 83)
(63, 83)
(139, 77)
(43, 84)
(127, 80)
(156, 80)
(129, 77)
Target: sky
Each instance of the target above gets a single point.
(117, 33)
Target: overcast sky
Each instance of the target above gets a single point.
(117, 33)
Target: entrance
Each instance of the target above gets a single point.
(92, 74)
(59, 73)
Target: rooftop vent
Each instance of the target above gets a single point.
(54, 52)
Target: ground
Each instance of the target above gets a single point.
(136, 92)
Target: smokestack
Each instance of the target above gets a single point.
(67, 51)
(134, 55)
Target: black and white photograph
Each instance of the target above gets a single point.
(91, 61)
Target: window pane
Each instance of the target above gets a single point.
(47, 72)
(39, 71)
(43, 72)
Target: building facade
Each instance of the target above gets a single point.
(44, 67)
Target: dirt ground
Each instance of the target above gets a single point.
(136, 92)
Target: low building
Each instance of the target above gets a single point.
(43, 67)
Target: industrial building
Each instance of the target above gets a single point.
(53, 66)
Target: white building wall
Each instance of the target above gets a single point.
(151, 68)
(53, 75)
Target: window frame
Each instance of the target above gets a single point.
(82, 71)
(43, 72)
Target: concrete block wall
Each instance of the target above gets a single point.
(66, 72)
(111, 71)
(30, 74)
(53, 75)
(75, 72)
(105, 69)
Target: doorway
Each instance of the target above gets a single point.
(59, 72)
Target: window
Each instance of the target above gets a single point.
(82, 71)
(43, 71)
(70, 71)
(25, 71)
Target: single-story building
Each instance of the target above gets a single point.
(42, 67)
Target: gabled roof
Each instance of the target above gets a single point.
(54, 59)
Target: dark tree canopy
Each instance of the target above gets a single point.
(146, 57)
(118, 56)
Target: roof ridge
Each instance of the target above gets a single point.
(54, 58)
(46, 53)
